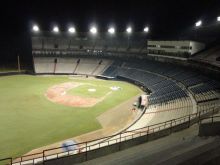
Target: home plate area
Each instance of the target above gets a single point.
(115, 88)
(92, 90)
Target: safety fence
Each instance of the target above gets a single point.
(121, 139)
(210, 119)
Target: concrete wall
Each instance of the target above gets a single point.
(207, 154)
(209, 129)
(196, 47)
(110, 149)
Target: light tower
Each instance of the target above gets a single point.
(111, 30)
(198, 23)
(146, 29)
(93, 30)
(72, 30)
(56, 29)
(35, 28)
(129, 30)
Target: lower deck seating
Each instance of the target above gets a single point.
(66, 65)
(70, 65)
(210, 56)
(168, 100)
(158, 113)
(165, 81)
(208, 105)
(44, 65)
(206, 96)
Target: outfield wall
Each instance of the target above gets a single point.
(12, 73)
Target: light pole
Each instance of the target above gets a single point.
(129, 31)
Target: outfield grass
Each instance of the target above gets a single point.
(28, 120)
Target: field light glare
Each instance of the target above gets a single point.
(55, 29)
(218, 18)
(198, 23)
(111, 30)
(146, 29)
(35, 28)
(129, 30)
(72, 30)
(93, 30)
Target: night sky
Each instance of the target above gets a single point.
(166, 18)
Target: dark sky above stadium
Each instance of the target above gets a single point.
(165, 17)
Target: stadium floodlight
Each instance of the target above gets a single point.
(72, 30)
(198, 23)
(129, 30)
(36, 28)
(146, 29)
(56, 29)
(93, 30)
(111, 30)
(218, 18)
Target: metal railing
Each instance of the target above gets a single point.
(87, 146)
(210, 119)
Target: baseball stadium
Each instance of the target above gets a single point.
(107, 97)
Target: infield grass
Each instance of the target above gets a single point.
(28, 120)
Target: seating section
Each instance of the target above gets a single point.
(102, 66)
(206, 95)
(70, 65)
(171, 87)
(158, 113)
(211, 56)
(44, 65)
(66, 65)
(208, 105)
(111, 71)
(191, 81)
(167, 100)
(175, 91)
(86, 66)
(197, 83)
(90, 45)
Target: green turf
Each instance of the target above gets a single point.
(28, 120)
